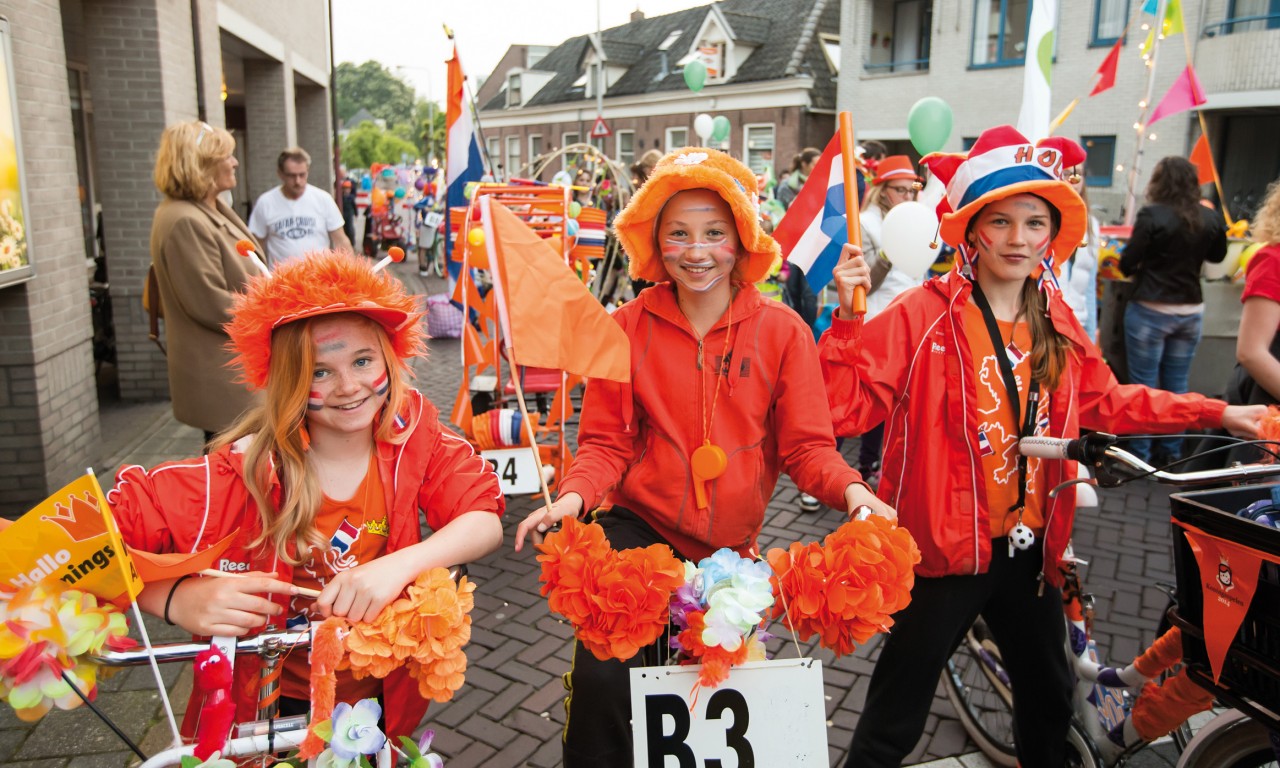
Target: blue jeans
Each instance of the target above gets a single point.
(1159, 348)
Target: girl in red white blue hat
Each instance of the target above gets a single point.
(959, 369)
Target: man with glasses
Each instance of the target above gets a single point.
(296, 218)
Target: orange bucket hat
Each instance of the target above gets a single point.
(1003, 163)
(696, 168)
(895, 167)
(321, 283)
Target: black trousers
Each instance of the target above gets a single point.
(597, 730)
(1027, 625)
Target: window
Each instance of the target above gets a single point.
(677, 138)
(535, 148)
(513, 156)
(967, 142)
(1109, 18)
(1260, 14)
(1000, 32)
(599, 143)
(1101, 160)
(758, 140)
(626, 147)
(570, 160)
(493, 148)
(513, 90)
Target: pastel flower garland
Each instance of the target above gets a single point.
(45, 632)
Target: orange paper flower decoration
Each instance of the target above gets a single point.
(617, 602)
(424, 630)
(847, 589)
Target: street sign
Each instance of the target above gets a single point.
(600, 129)
(765, 713)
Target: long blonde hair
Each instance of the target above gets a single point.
(1266, 222)
(277, 450)
(188, 156)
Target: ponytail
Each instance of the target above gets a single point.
(1048, 346)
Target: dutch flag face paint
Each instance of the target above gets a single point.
(315, 401)
(383, 384)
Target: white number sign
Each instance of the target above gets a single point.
(767, 713)
(516, 468)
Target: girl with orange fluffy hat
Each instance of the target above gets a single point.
(960, 369)
(325, 485)
(726, 394)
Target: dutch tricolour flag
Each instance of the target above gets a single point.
(462, 151)
(814, 229)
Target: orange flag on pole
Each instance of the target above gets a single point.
(1202, 159)
(547, 314)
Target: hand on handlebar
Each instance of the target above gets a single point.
(850, 272)
(361, 593)
(1244, 420)
(542, 519)
(230, 607)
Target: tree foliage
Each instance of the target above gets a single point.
(368, 144)
(373, 87)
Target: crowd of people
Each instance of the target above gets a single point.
(325, 463)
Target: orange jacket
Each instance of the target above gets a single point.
(771, 416)
(187, 506)
(912, 368)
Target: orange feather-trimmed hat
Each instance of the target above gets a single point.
(321, 283)
(696, 168)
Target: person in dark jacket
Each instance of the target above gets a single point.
(1172, 239)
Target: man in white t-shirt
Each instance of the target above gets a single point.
(295, 217)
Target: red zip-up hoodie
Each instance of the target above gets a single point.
(187, 506)
(771, 416)
(912, 367)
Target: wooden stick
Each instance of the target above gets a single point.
(225, 575)
(852, 206)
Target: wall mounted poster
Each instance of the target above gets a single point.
(15, 251)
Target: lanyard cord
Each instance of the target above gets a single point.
(702, 384)
(1028, 425)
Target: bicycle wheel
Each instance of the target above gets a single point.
(436, 256)
(1232, 740)
(978, 688)
(979, 691)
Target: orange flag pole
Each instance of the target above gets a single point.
(851, 203)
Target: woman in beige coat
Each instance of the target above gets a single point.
(193, 248)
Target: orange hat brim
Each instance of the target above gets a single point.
(636, 225)
(1059, 194)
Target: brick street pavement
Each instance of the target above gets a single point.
(509, 712)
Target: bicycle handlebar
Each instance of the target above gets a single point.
(166, 652)
(1095, 448)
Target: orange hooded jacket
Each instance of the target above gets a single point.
(187, 506)
(771, 416)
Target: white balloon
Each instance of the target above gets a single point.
(906, 237)
(703, 125)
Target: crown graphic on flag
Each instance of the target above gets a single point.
(79, 517)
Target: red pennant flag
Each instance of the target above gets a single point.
(1107, 72)
(1202, 159)
(1228, 578)
(1184, 94)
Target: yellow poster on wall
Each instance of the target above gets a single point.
(70, 537)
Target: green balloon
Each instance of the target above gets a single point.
(929, 124)
(695, 75)
(720, 129)
(575, 208)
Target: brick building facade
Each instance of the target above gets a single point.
(96, 81)
(970, 54)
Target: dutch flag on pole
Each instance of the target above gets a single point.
(814, 229)
(462, 150)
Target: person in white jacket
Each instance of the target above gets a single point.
(1079, 275)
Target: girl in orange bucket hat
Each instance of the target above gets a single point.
(960, 368)
(722, 400)
(324, 485)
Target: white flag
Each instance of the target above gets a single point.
(1033, 120)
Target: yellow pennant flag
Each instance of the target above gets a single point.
(1062, 116)
(70, 537)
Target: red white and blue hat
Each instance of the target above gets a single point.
(1003, 163)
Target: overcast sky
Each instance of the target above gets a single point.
(410, 33)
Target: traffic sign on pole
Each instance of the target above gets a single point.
(600, 129)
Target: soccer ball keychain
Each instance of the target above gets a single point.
(1021, 537)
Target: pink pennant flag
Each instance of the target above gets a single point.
(1184, 94)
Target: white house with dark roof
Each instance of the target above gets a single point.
(772, 67)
